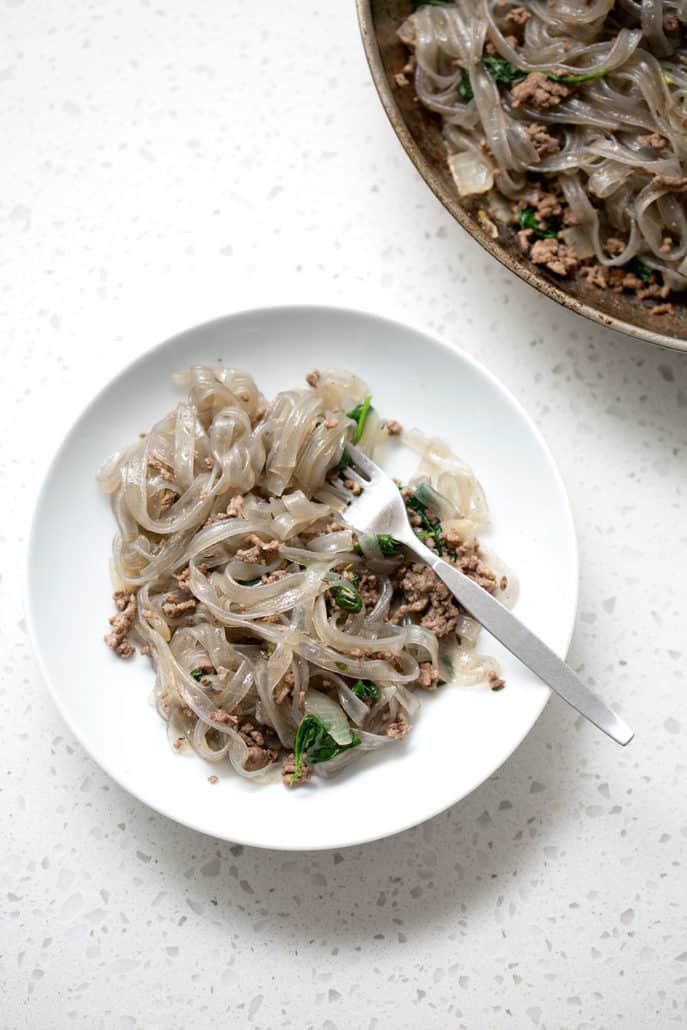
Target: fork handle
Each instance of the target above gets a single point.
(521, 642)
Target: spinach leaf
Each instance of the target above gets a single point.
(346, 597)
(314, 742)
(528, 220)
(389, 545)
(364, 689)
(359, 415)
(465, 92)
(502, 71)
(429, 529)
(196, 674)
(572, 79)
(641, 270)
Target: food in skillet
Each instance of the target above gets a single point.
(566, 120)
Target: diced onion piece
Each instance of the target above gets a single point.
(331, 715)
(499, 208)
(471, 173)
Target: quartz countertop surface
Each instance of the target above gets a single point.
(167, 163)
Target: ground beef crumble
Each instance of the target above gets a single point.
(235, 507)
(174, 608)
(546, 205)
(614, 246)
(258, 549)
(162, 470)
(495, 682)
(273, 577)
(224, 718)
(263, 745)
(656, 140)
(285, 686)
(368, 589)
(670, 183)
(544, 143)
(121, 624)
(167, 499)
(538, 91)
(619, 279)
(518, 16)
(425, 595)
(399, 728)
(429, 676)
(559, 257)
(183, 580)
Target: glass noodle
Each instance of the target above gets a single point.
(619, 155)
(232, 544)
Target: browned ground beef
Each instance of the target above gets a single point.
(538, 91)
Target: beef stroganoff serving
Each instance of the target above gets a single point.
(566, 120)
(283, 641)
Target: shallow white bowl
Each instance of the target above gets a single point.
(461, 735)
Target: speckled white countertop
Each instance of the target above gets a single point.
(163, 164)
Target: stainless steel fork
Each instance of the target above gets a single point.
(379, 508)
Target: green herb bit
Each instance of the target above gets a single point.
(389, 545)
(359, 415)
(641, 270)
(352, 577)
(196, 674)
(314, 742)
(341, 665)
(364, 689)
(429, 528)
(465, 92)
(416, 4)
(502, 70)
(346, 597)
(528, 220)
(249, 582)
(571, 80)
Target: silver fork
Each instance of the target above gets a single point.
(379, 508)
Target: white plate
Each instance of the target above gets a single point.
(461, 735)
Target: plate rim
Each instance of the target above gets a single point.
(49, 468)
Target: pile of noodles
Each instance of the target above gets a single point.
(226, 440)
(605, 174)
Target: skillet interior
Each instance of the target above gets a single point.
(420, 133)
